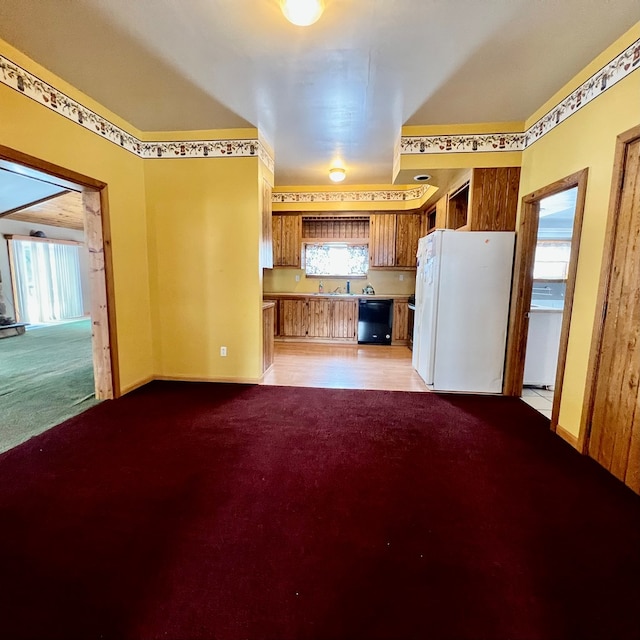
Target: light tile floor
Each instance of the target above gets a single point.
(540, 398)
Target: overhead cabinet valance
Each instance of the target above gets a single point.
(338, 228)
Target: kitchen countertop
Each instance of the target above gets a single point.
(356, 296)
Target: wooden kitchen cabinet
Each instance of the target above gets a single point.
(487, 200)
(268, 322)
(393, 240)
(318, 317)
(287, 240)
(294, 318)
(266, 244)
(382, 240)
(407, 235)
(344, 319)
(400, 329)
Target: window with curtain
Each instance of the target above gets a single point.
(48, 284)
(336, 259)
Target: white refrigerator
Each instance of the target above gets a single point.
(463, 286)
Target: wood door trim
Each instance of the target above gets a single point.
(523, 282)
(615, 195)
(96, 218)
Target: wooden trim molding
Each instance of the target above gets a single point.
(98, 241)
(603, 289)
(567, 437)
(523, 283)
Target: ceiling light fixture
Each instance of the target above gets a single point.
(302, 12)
(337, 174)
(422, 177)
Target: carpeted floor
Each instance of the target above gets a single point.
(227, 512)
(46, 376)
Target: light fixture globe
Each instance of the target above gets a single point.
(337, 174)
(302, 12)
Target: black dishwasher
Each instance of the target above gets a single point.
(375, 318)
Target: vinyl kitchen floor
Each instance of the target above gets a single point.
(539, 398)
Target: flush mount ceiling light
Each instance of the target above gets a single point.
(302, 12)
(337, 174)
(422, 177)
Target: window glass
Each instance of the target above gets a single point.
(336, 259)
(552, 259)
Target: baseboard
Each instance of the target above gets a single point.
(136, 385)
(228, 380)
(567, 437)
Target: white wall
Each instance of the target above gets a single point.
(17, 227)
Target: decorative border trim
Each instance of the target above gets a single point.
(469, 143)
(618, 69)
(21, 80)
(382, 195)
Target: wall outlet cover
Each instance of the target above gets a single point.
(223, 351)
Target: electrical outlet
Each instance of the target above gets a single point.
(297, 278)
(223, 352)
(401, 277)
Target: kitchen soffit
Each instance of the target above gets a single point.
(341, 88)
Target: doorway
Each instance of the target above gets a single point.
(542, 295)
(610, 432)
(90, 196)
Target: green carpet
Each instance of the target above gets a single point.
(46, 376)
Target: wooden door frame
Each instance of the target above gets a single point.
(613, 218)
(98, 239)
(523, 284)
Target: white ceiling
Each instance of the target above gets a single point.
(341, 88)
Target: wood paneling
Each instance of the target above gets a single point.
(407, 235)
(400, 332)
(319, 319)
(614, 402)
(382, 240)
(344, 319)
(287, 240)
(494, 199)
(61, 211)
(266, 246)
(268, 324)
(294, 316)
(329, 228)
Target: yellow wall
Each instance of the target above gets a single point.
(204, 234)
(35, 130)
(586, 139)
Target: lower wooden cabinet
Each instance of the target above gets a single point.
(331, 320)
(400, 329)
(268, 330)
(318, 318)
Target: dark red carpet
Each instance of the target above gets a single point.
(230, 512)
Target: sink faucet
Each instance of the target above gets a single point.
(337, 290)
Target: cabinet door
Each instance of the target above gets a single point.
(494, 199)
(319, 318)
(276, 226)
(382, 240)
(266, 246)
(344, 319)
(291, 240)
(294, 318)
(400, 331)
(407, 235)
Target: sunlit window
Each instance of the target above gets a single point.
(336, 259)
(552, 259)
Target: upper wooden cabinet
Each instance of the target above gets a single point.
(266, 246)
(486, 201)
(287, 240)
(393, 240)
